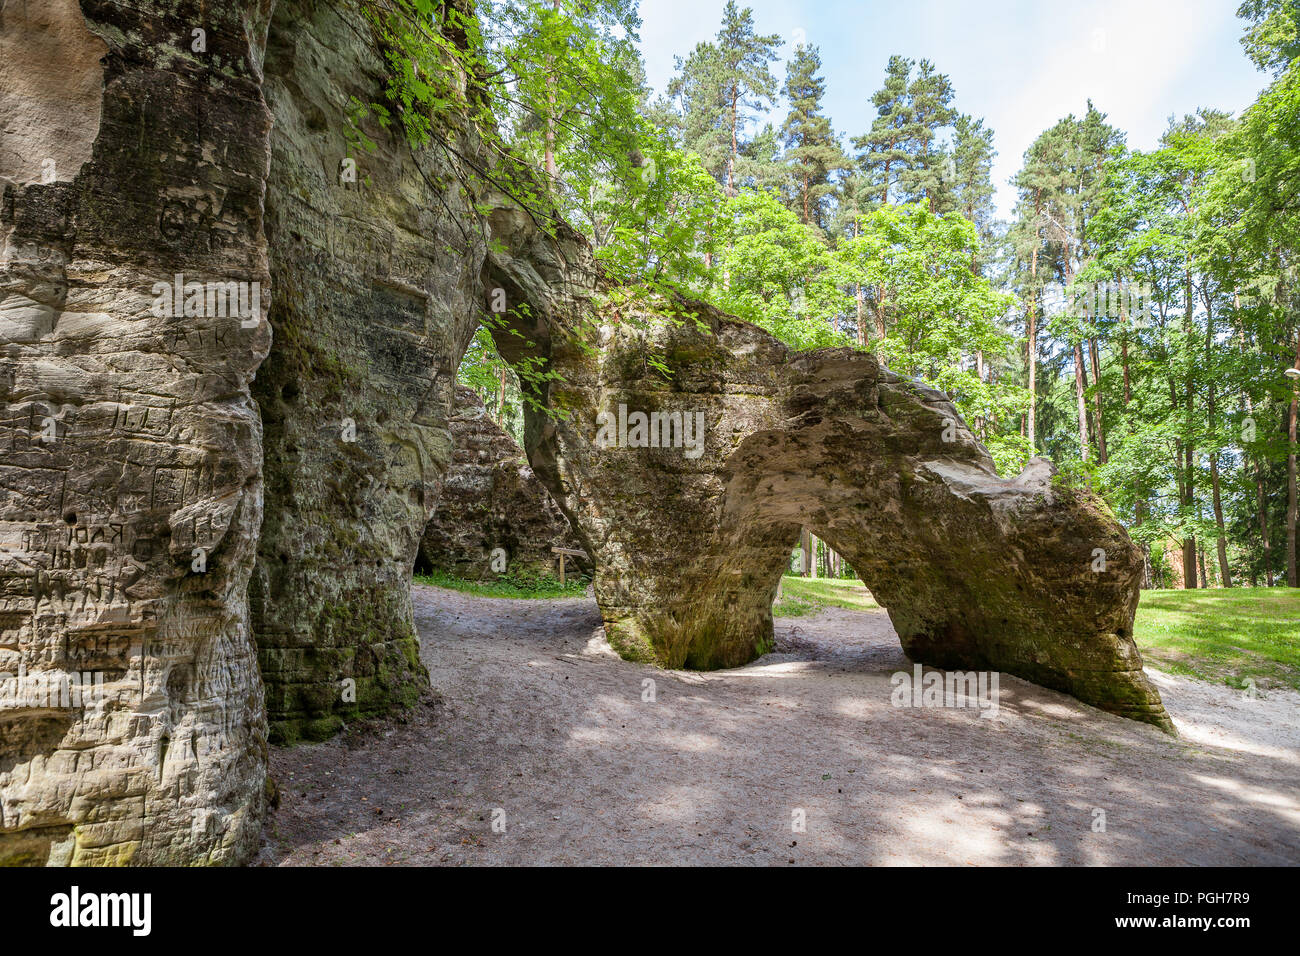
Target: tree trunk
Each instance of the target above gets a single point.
(1096, 400)
(1123, 349)
(1221, 540)
(735, 147)
(1211, 410)
(1225, 576)
(1292, 411)
(1032, 347)
(1189, 453)
(550, 116)
(1262, 503)
(1081, 401)
(805, 556)
(862, 326)
(501, 398)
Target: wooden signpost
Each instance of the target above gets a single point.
(563, 553)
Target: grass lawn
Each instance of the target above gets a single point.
(802, 596)
(539, 587)
(1223, 634)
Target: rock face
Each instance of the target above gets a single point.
(378, 292)
(144, 575)
(131, 493)
(132, 727)
(692, 513)
(491, 499)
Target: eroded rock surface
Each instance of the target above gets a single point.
(691, 526)
(132, 539)
(377, 295)
(492, 500)
(132, 727)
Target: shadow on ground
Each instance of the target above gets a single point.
(536, 719)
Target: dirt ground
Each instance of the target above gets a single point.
(536, 723)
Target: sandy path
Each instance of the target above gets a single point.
(538, 718)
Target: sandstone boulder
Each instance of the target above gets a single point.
(492, 500)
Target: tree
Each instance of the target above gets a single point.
(923, 177)
(970, 187)
(884, 151)
(941, 313)
(1273, 39)
(812, 149)
(722, 85)
(782, 274)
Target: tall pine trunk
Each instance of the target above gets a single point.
(1031, 348)
(1262, 503)
(1225, 576)
(501, 398)
(550, 115)
(1081, 400)
(1096, 400)
(1189, 452)
(1292, 411)
(1221, 540)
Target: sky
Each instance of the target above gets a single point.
(1020, 65)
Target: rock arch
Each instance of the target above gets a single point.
(976, 571)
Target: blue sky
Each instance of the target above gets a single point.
(1021, 65)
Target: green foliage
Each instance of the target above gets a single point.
(916, 268)
(720, 86)
(1169, 401)
(779, 273)
(812, 149)
(1273, 40)
(901, 154)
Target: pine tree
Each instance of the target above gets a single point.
(884, 152)
(699, 90)
(760, 165)
(812, 149)
(903, 154)
(922, 178)
(970, 176)
(721, 86)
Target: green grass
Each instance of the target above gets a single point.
(510, 585)
(1223, 635)
(809, 595)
